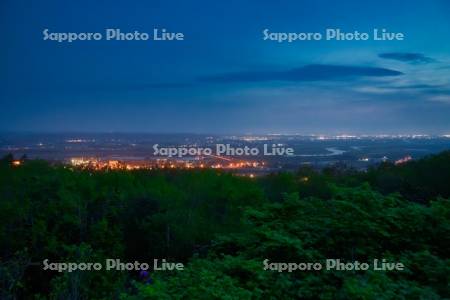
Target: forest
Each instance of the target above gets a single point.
(222, 227)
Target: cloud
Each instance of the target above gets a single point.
(417, 86)
(305, 73)
(442, 91)
(411, 87)
(442, 99)
(416, 58)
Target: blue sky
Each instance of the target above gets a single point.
(224, 78)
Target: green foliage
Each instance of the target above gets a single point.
(356, 224)
(419, 181)
(223, 227)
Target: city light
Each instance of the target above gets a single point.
(206, 163)
(403, 160)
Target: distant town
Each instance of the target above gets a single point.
(112, 151)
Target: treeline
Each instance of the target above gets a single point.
(222, 227)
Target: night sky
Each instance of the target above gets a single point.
(224, 78)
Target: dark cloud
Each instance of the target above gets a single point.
(415, 87)
(407, 57)
(443, 91)
(305, 73)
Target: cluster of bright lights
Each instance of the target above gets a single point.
(93, 163)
